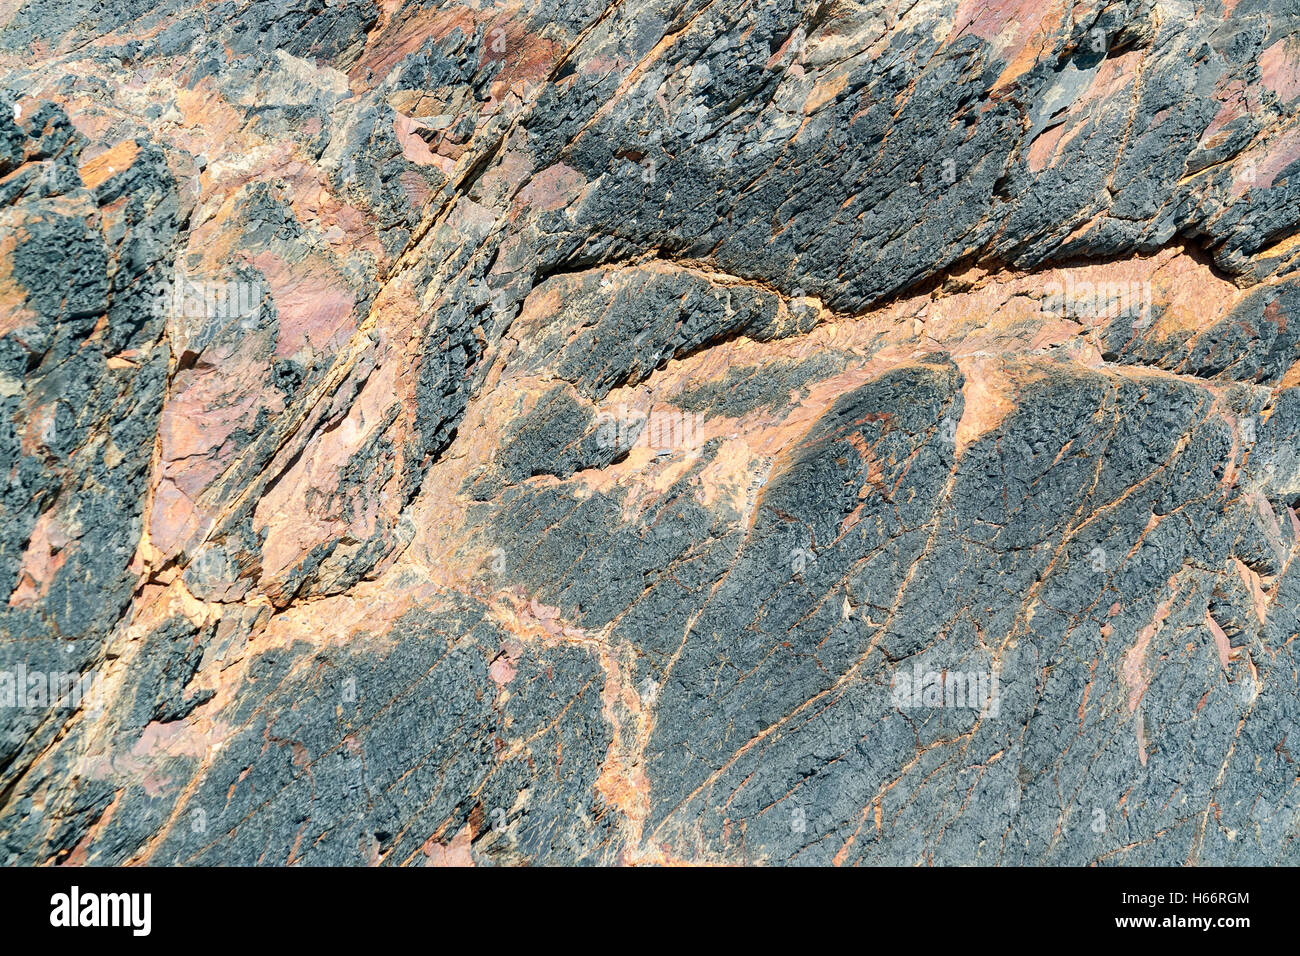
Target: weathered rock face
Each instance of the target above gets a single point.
(665, 430)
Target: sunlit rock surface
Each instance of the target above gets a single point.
(664, 431)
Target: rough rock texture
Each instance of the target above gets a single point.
(476, 432)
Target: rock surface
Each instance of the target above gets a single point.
(781, 431)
